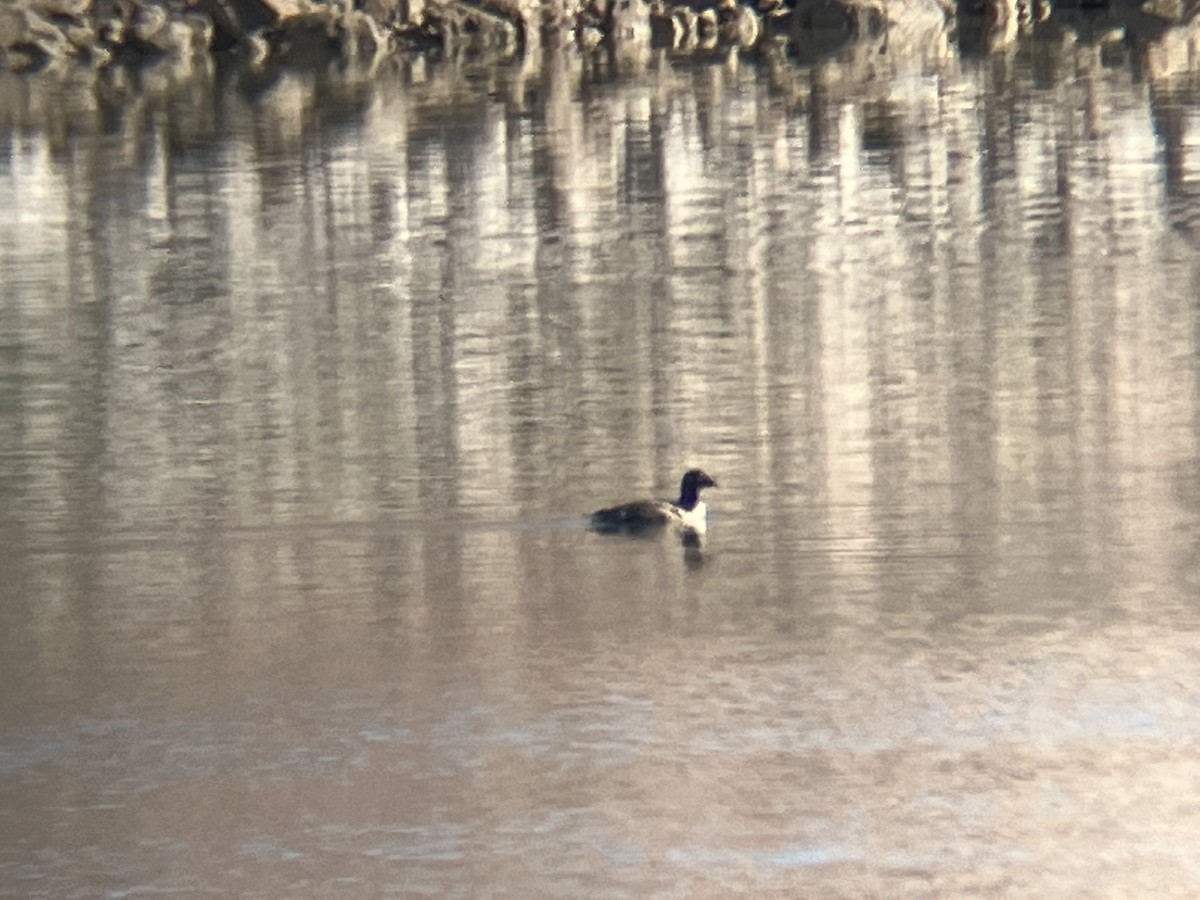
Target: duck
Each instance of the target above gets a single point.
(688, 512)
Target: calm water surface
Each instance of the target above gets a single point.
(304, 394)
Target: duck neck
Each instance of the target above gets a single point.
(689, 496)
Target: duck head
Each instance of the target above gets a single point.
(694, 480)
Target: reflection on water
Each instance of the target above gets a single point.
(301, 404)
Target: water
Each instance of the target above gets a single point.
(306, 387)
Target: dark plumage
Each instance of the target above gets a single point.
(689, 511)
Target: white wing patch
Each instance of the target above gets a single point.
(695, 518)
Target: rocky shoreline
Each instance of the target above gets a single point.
(43, 34)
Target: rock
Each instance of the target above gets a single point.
(686, 24)
(1174, 53)
(387, 13)
(362, 38)
(256, 50)
(309, 41)
(85, 43)
(525, 14)
(739, 25)
(13, 33)
(35, 33)
(470, 25)
(72, 9)
(186, 37)
(147, 22)
(860, 17)
(777, 21)
(235, 20)
(29, 42)
(589, 37)
(1173, 11)
(202, 32)
(629, 21)
(675, 28)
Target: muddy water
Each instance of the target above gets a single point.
(301, 409)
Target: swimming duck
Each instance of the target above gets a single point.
(687, 512)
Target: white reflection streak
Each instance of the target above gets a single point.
(841, 252)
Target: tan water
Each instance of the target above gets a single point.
(303, 398)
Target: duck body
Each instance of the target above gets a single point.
(688, 512)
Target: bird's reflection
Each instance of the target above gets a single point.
(692, 542)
